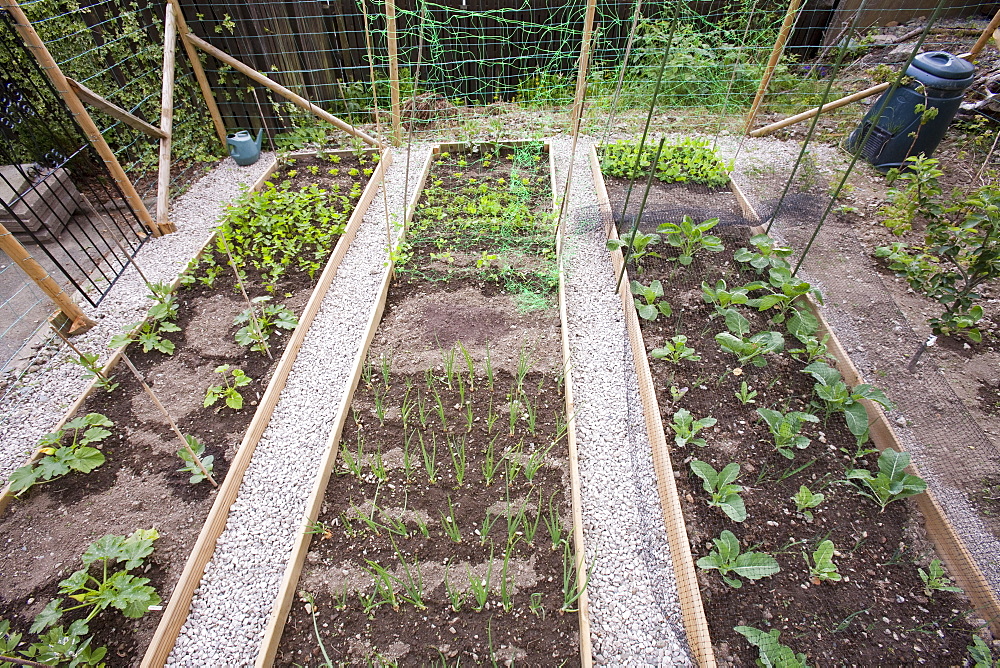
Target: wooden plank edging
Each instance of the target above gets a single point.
(289, 581)
(688, 592)
(576, 494)
(179, 603)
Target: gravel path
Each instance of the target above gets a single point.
(231, 607)
(634, 608)
(33, 405)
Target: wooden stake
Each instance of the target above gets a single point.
(173, 425)
(22, 258)
(166, 121)
(113, 110)
(253, 311)
(390, 27)
(779, 47)
(985, 37)
(199, 72)
(371, 66)
(272, 85)
(805, 115)
(83, 119)
(581, 71)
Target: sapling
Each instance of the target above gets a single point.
(772, 652)
(725, 495)
(935, 579)
(891, 483)
(675, 350)
(805, 499)
(727, 559)
(686, 428)
(822, 568)
(649, 304)
(228, 390)
(61, 457)
(785, 429)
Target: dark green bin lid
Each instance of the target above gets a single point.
(940, 69)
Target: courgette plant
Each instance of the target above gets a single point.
(269, 317)
(228, 390)
(64, 455)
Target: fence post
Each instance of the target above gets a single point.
(37, 273)
(390, 29)
(199, 73)
(166, 121)
(83, 119)
(779, 47)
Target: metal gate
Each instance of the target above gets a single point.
(56, 194)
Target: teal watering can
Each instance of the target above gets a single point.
(243, 148)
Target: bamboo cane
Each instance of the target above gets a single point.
(166, 121)
(83, 119)
(985, 37)
(390, 26)
(173, 425)
(273, 85)
(779, 47)
(805, 115)
(22, 258)
(199, 72)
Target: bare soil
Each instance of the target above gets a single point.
(45, 532)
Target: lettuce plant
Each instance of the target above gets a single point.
(729, 561)
(64, 455)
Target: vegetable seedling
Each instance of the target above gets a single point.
(805, 500)
(727, 559)
(772, 653)
(822, 568)
(725, 495)
(227, 391)
(686, 428)
(675, 350)
(61, 459)
(785, 429)
(891, 483)
(935, 579)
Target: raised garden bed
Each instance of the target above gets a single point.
(879, 611)
(445, 531)
(139, 486)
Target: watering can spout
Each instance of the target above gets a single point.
(243, 148)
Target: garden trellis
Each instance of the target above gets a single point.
(432, 142)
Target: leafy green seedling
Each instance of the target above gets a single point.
(805, 500)
(691, 237)
(812, 349)
(725, 495)
(149, 334)
(59, 459)
(767, 255)
(980, 652)
(785, 289)
(892, 483)
(785, 429)
(686, 428)
(721, 297)
(727, 559)
(269, 318)
(772, 653)
(227, 391)
(640, 244)
(118, 589)
(745, 394)
(675, 350)
(822, 568)
(751, 349)
(647, 307)
(59, 646)
(839, 398)
(190, 465)
(935, 579)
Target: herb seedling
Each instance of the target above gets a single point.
(727, 559)
(228, 391)
(805, 500)
(785, 430)
(648, 307)
(725, 495)
(61, 459)
(675, 350)
(686, 428)
(935, 579)
(822, 568)
(891, 483)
